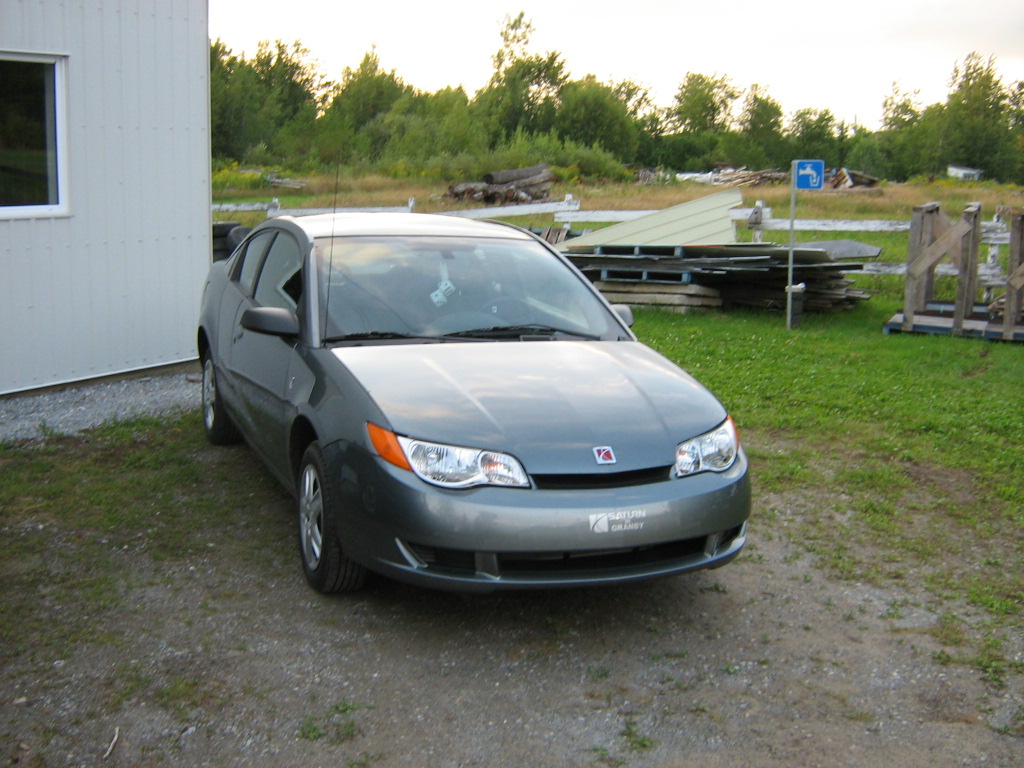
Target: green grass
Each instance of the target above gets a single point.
(897, 457)
(75, 514)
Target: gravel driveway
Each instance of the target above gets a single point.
(79, 407)
(223, 656)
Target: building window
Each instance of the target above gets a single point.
(32, 136)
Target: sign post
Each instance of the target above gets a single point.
(804, 174)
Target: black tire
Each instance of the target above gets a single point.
(219, 428)
(326, 567)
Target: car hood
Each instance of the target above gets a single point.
(548, 403)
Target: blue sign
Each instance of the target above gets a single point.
(809, 174)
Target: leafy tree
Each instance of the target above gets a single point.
(648, 120)
(241, 116)
(287, 77)
(424, 127)
(251, 102)
(523, 91)
(367, 93)
(687, 151)
(816, 133)
(592, 114)
(761, 125)
(703, 104)
(978, 114)
(899, 109)
(898, 150)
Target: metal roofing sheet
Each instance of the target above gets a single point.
(705, 220)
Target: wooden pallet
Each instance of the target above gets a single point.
(939, 324)
(674, 296)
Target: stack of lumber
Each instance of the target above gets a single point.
(846, 178)
(739, 274)
(520, 185)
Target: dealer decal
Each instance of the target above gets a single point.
(614, 522)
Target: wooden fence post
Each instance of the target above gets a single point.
(1015, 272)
(922, 227)
(966, 257)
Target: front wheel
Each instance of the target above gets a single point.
(327, 568)
(219, 428)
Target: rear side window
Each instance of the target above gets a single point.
(250, 258)
(280, 280)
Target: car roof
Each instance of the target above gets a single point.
(348, 223)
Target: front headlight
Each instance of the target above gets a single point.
(449, 466)
(714, 451)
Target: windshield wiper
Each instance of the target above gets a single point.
(379, 336)
(518, 331)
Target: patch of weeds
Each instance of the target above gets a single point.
(950, 630)
(669, 655)
(129, 680)
(344, 731)
(878, 514)
(345, 707)
(338, 727)
(604, 756)
(635, 741)
(993, 671)
(599, 674)
(310, 730)
(181, 694)
(989, 597)
(894, 610)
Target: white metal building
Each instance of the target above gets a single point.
(104, 186)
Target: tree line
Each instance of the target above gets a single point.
(277, 108)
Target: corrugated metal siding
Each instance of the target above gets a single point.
(115, 286)
(705, 220)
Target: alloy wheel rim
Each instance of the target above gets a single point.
(209, 393)
(311, 512)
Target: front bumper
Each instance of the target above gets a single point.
(488, 539)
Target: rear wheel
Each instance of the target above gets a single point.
(219, 428)
(327, 568)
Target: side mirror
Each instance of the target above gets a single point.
(274, 321)
(625, 313)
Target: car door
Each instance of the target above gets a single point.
(239, 288)
(259, 362)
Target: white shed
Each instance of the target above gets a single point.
(966, 174)
(104, 186)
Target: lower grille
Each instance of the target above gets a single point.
(466, 562)
(598, 560)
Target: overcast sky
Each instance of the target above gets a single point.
(823, 54)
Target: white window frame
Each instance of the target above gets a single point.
(60, 126)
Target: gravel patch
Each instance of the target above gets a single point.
(77, 408)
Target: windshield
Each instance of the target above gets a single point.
(444, 287)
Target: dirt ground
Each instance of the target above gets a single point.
(228, 658)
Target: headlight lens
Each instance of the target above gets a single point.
(714, 451)
(453, 467)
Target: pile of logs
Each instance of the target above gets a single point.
(520, 185)
(744, 178)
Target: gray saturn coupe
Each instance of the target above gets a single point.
(454, 405)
